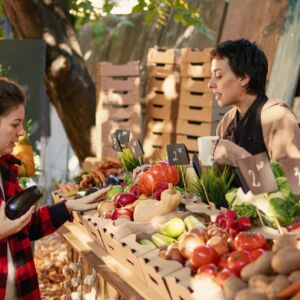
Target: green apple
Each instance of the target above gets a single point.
(115, 189)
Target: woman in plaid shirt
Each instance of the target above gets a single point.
(18, 278)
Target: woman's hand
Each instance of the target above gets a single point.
(9, 227)
(88, 202)
(227, 153)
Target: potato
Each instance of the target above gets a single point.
(277, 285)
(283, 241)
(286, 260)
(232, 286)
(294, 276)
(250, 294)
(260, 266)
(260, 282)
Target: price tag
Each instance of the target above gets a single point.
(197, 165)
(241, 181)
(258, 174)
(177, 155)
(122, 136)
(116, 144)
(136, 148)
(291, 169)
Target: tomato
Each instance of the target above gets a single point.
(223, 275)
(257, 253)
(249, 241)
(238, 259)
(203, 255)
(294, 226)
(223, 261)
(160, 172)
(207, 271)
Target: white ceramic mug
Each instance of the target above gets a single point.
(206, 147)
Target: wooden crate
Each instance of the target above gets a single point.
(169, 86)
(194, 85)
(160, 125)
(163, 56)
(203, 114)
(195, 128)
(105, 150)
(158, 138)
(107, 69)
(115, 97)
(195, 70)
(163, 70)
(117, 84)
(196, 99)
(190, 55)
(189, 141)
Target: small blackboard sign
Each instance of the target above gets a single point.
(177, 154)
(258, 174)
(291, 169)
(123, 136)
(116, 144)
(197, 165)
(136, 148)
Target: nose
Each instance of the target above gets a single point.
(211, 83)
(21, 131)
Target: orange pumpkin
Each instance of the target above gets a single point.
(160, 172)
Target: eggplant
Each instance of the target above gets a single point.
(19, 204)
(111, 179)
(86, 192)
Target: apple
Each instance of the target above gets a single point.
(219, 243)
(118, 212)
(188, 243)
(104, 206)
(124, 199)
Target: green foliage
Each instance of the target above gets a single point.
(213, 185)
(4, 70)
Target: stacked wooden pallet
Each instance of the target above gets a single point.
(118, 102)
(198, 113)
(161, 100)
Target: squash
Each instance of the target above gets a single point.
(24, 152)
(160, 172)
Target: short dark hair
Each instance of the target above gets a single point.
(11, 95)
(245, 58)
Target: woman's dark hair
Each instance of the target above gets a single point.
(11, 95)
(245, 58)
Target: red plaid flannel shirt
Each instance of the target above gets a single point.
(44, 221)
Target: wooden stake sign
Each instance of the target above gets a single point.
(258, 174)
(123, 136)
(116, 144)
(291, 169)
(136, 148)
(177, 154)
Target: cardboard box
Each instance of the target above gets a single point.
(155, 270)
(183, 286)
(107, 69)
(114, 97)
(196, 99)
(116, 84)
(191, 55)
(163, 56)
(194, 128)
(203, 114)
(196, 70)
(194, 85)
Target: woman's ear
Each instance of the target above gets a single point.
(245, 80)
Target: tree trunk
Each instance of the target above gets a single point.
(68, 83)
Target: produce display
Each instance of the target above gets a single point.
(247, 248)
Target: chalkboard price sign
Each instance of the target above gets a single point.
(197, 165)
(136, 148)
(291, 169)
(123, 136)
(258, 174)
(116, 143)
(177, 154)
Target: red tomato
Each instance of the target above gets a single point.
(257, 253)
(207, 271)
(294, 226)
(223, 261)
(223, 275)
(238, 259)
(203, 255)
(249, 241)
